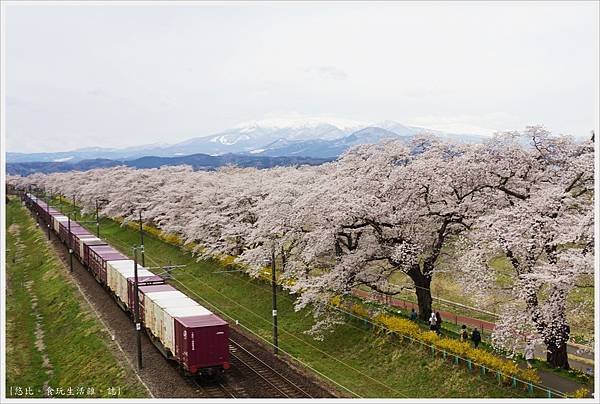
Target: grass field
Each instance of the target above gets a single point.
(359, 361)
(52, 338)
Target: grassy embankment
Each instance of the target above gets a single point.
(52, 338)
(356, 358)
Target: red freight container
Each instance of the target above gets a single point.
(97, 257)
(202, 343)
(142, 291)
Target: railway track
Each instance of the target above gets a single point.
(271, 382)
(213, 389)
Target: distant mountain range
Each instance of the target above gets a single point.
(306, 137)
(197, 161)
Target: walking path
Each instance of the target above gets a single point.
(579, 358)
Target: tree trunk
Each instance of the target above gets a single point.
(556, 346)
(423, 292)
(557, 356)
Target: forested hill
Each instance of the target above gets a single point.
(197, 161)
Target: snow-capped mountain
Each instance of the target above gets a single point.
(323, 148)
(298, 136)
(304, 128)
(250, 136)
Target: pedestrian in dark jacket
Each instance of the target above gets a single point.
(413, 314)
(476, 337)
(438, 322)
(464, 334)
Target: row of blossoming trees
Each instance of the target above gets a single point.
(382, 209)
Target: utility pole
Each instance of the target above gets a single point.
(74, 207)
(70, 244)
(97, 221)
(274, 295)
(98, 201)
(142, 239)
(138, 325)
(48, 210)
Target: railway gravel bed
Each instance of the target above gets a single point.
(255, 371)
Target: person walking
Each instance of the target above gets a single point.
(438, 322)
(432, 321)
(529, 353)
(476, 337)
(464, 334)
(413, 314)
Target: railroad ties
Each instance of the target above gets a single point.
(216, 389)
(269, 381)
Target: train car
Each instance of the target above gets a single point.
(57, 220)
(79, 242)
(170, 313)
(76, 230)
(202, 344)
(97, 257)
(181, 329)
(46, 211)
(161, 318)
(143, 290)
(185, 331)
(118, 274)
(85, 243)
(50, 212)
(152, 302)
(36, 205)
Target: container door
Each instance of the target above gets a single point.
(214, 344)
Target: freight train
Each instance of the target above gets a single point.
(181, 329)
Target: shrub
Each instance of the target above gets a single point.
(462, 349)
(581, 392)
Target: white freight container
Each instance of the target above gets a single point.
(57, 219)
(146, 302)
(85, 240)
(169, 321)
(160, 313)
(117, 273)
(122, 291)
(154, 318)
(150, 305)
(112, 271)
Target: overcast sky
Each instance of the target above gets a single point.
(121, 75)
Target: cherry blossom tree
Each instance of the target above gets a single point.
(383, 209)
(543, 226)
